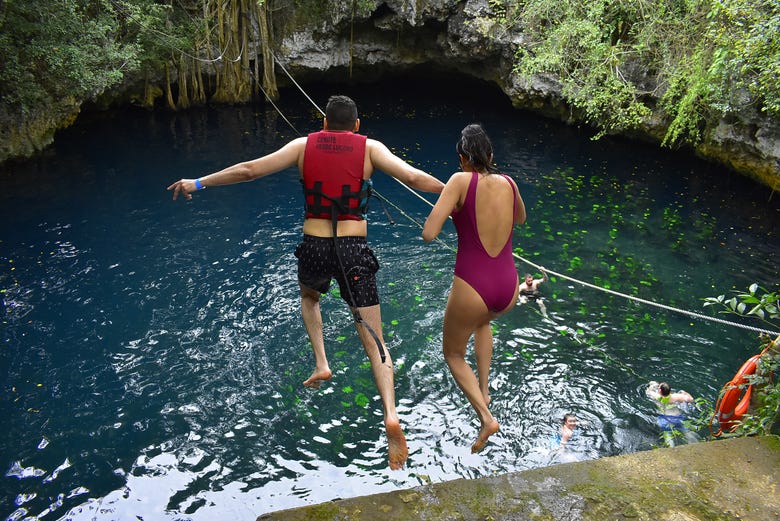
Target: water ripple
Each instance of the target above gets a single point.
(153, 352)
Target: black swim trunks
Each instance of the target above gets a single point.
(318, 264)
(531, 295)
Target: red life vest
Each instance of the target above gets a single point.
(333, 176)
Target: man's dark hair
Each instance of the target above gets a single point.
(664, 389)
(341, 113)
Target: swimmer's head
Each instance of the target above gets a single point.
(664, 389)
(529, 278)
(569, 420)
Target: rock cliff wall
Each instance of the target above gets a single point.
(367, 38)
(462, 36)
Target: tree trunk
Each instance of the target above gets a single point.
(150, 93)
(198, 96)
(184, 96)
(168, 90)
(233, 77)
(269, 76)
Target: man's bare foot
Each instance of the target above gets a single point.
(317, 377)
(396, 445)
(484, 433)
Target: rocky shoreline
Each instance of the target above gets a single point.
(726, 479)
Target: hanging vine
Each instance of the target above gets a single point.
(266, 38)
(233, 78)
(352, 36)
(183, 100)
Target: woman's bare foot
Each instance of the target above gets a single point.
(317, 377)
(484, 433)
(396, 445)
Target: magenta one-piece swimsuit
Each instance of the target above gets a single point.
(494, 278)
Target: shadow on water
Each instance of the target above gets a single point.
(153, 351)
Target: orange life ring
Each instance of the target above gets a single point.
(730, 407)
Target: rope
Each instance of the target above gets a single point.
(540, 268)
(409, 217)
(651, 303)
(296, 84)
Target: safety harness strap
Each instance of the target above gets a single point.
(335, 208)
(318, 205)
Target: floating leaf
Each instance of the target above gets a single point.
(361, 400)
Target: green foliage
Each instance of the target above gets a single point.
(766, 416)
(80, 48)
(59, 49)
(700, 59)
(160, 31)
(747, 36)
(757, 303)
(585, 45)
(764, 305)
(730, 60)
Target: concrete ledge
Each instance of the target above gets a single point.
(726, 479)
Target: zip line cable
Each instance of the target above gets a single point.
(412, 219)
(296, 84)
(540, 268)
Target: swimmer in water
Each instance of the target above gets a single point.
(671, 419)
(529, 291)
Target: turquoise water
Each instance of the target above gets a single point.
(153, 353)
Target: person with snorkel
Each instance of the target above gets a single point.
(336, 165)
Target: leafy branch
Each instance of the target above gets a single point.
(756, 303)
(763, 305)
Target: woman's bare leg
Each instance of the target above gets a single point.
(483, 348)
(483, 353)
(465, 313)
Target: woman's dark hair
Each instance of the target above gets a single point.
(341, 113)
(664, 389)
(474, 144)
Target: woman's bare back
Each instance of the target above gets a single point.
(495, 211)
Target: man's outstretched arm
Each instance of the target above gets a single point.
(285, 157)
(384, 160)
